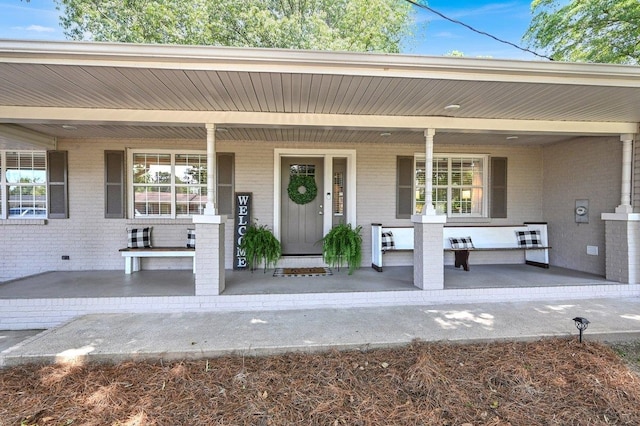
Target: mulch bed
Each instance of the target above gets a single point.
(547, 382)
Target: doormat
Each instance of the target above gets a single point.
(302, 272)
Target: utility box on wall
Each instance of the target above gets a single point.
(582, 211)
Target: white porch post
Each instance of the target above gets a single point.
(210, 253)
(622, 228)
(428, 255)
(210, 208)
(428, 209)
(625, 191)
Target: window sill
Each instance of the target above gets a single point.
(468, 220)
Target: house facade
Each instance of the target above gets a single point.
(97, 139)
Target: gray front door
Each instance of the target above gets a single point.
(301, 223)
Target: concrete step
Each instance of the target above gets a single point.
(300, 261)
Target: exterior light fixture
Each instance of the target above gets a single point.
(510, 138)
(452, 107)
(69, 127)
(385, 134)
(221, 130)
(581, 324)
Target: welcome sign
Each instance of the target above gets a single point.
(242, 221)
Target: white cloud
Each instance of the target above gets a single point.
(35, 29)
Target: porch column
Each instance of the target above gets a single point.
(210, 208)
(622, 228)
(428, 209)
(625, 191)
(428, 254)
(210, 254)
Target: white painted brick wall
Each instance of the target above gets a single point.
(92, 242)
(585, 168)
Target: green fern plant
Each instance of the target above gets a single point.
(343, 244)
(260, 245)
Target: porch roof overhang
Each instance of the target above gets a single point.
(123, 90)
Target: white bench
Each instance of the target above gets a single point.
(402, 240)
(484, 238)
(132, 256)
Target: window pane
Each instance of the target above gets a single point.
(26, 167)
(152, 200)
(420, 173)
(191, 169)
(466, 200)
(303, 169)
(440, 172)
(338, 193)
(190, 200)
(152, 168)
(27, 201)
(458, 185)
(440, 200)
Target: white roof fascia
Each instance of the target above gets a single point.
(315, 62)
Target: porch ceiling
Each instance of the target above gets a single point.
(42, 82)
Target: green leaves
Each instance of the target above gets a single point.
(343, 243)
(261, 245)
(587, 30)
(351, 25)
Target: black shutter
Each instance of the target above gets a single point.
(224, 190)
(498, 187)
(57, 184)
(114, 189)
(404, 187)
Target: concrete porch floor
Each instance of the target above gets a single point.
(91, 284)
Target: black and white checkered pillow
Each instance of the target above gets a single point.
(529, 239)
(139, 237)
(461, 243)
(191, 238)
(387, 241)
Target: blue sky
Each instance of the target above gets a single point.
(38, 20)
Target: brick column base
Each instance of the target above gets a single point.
(428, 254)
(622, 237)
(210, 279)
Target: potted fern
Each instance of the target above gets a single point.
(343, 244)
(261, 246)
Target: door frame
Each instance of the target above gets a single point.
(328, 155)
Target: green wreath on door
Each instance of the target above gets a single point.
(302, 189)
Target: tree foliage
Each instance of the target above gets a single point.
(347, 25)
(587, 30)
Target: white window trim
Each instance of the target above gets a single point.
(485, 182)
(131, 185)
(4, 195)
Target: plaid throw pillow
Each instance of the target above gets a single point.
(461, 243)
(529, 239)
(387, 241)
(191, 238)
(139, 238)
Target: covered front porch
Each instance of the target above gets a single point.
(387, 137)
(48, 299)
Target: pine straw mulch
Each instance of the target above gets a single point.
(547, 382)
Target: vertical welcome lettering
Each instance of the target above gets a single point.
(242, 221)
